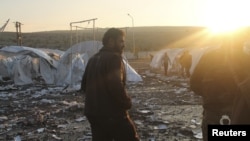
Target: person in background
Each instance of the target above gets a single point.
(103, 83)
(166, 61)
(151, 56)
(186, 62)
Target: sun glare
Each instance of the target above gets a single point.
(226, 16)
(222, 29)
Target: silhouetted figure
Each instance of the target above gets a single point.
(107, 102)
(185, 62)
(166, 62)
(151, 57)
(221, 77)
(213, 81)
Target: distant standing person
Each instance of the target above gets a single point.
(151, 56)
(186, 62)
(166, 62)
(107, 102)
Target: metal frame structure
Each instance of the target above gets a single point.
(134, 49)
(3, 27)
(78, 22)
(73, 24)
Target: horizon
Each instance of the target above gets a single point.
(96, 28)
(48, 15)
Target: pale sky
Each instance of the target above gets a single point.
(46, 15)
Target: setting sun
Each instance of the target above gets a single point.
(225, 16)
(217, 29)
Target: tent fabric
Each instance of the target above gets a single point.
(132, 75)
(72, 63)
(25, 64)
(157, 60)
(29, 51)
(22, 71)
(47, 71)
(70, 70)
(175, 53)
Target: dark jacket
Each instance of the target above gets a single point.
(213, 81)
(186, 60)
(241, 114)
(104, 83)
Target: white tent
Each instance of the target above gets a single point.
(25, 64)
(73, 62)
(175, 53)
(157, 61)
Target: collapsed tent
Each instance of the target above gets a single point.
(25, 65)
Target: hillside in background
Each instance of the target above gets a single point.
(146, 38)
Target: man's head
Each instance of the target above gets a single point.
(115, 39)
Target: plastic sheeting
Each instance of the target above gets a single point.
(73, 62)
(25, 64)
(175, 53)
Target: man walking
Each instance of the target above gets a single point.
(107, 102)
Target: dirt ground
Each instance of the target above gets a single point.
(164, 109)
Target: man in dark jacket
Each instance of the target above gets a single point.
(240, 69)
(213, 81)
(222, 79)
(107, 102)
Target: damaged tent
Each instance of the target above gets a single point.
(26, 65)
(73, 62)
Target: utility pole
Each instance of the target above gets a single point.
(18, 33)
(134, 49)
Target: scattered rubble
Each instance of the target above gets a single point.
(164, 109)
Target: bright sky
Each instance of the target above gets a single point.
(46, 15)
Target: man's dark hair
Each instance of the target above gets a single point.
(112, 33)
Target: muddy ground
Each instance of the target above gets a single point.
(164, 109)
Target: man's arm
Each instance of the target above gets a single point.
(117, 84)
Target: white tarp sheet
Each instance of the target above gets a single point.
(175, 53)
(68, 73)
(24, 64)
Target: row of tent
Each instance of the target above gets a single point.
(23, 65)
(175, 53)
